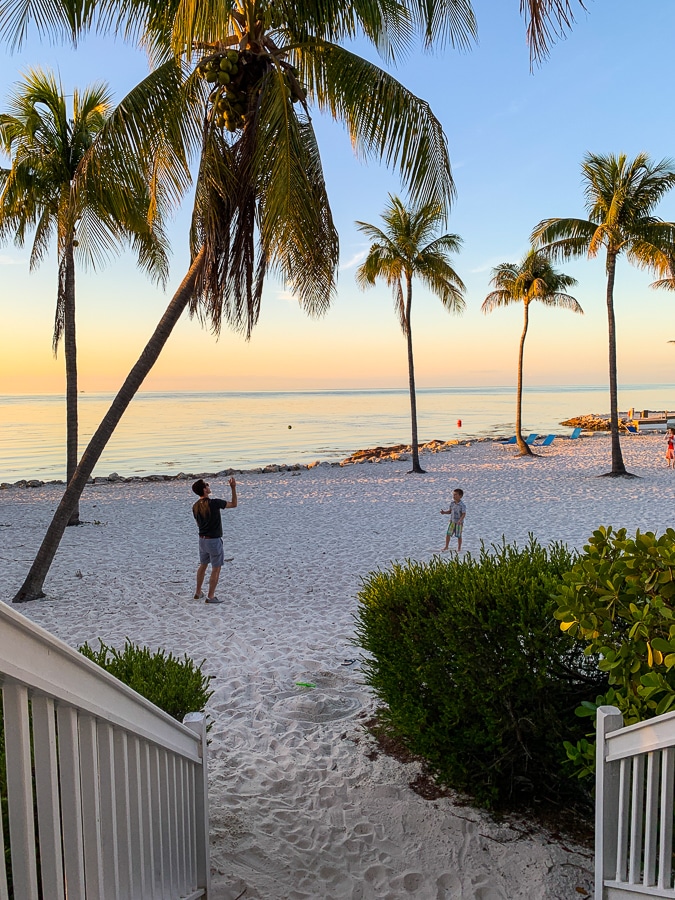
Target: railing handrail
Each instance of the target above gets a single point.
(643, 737)
(58, 671)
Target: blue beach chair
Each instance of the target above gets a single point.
(575, 434)
(548, 440)
(507, 442)
(632, 429)
(531, 438)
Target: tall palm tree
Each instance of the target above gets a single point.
(621, 194)
(233, 86)
(405, 249)
(48, 191)
(534, 278)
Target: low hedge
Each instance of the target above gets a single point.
(474, 673)
(178, 686)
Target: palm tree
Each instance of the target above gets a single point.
(405, 249)
(620, 198)
(260, 198)
(534, 278)
(48, 190)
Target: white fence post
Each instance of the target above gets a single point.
(197, 722)
(609, 719)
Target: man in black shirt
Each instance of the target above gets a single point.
(207, 516)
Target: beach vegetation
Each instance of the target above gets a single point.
(534, 278)
(260, 200)
(621, 195)
(474, 674)
(618, 602)
(60, 188)
(409, 247)
(178, 686)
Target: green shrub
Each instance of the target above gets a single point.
(474, 673)
(177, 686)
(619, 601)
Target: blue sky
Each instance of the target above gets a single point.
(516, 140)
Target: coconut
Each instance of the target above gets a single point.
(223, 78)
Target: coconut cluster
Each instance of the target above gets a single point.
(237, 76)
(229, 96)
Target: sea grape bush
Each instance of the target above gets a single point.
(473, 672)
(177, 686)
(619, 600)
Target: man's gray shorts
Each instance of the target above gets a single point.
(211, 551)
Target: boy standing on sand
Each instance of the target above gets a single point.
(457, 513)
(207, 516)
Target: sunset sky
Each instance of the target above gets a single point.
(516, 141)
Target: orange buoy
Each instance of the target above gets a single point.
(459, 423)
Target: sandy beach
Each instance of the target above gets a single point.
(302, 804)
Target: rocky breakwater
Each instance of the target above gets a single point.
(396, 452)
(593, 422)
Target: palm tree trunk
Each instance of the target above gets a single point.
(618, 467)
(416, 467)
(522, 446)
(31, 589)
(70, 350)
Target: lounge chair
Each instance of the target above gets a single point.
(632, 429)
(548, 440)
(530, 439)
(575, 434)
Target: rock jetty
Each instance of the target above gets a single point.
(397, 451)
(593, 422)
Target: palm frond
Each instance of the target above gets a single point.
(496, 299)
(656, 258)
(296, 226)
(563, 238)
(442, 280)
(561, 301)
(60, 19)
(546, 20)
(385, 120)
(447, 21)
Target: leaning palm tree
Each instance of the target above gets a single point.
(534, 278)
(233, 86)
(620, 198)
(48, 191)
(405, 249)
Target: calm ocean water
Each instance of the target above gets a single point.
(196, 432)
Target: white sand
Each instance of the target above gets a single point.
(298, 807)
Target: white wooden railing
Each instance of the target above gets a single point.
(107, 794)
(635, 769)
